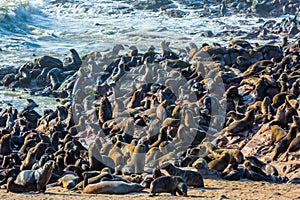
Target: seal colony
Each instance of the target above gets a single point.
(159, 121)
(165, 120)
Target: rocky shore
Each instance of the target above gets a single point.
(170, 107)
(203, 113)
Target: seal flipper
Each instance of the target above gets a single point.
(179, 192)
(85, 180)
(173, 193)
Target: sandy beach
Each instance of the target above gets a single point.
(214, 189)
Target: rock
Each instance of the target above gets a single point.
(50, 62)
(8, 79)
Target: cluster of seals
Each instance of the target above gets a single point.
(188, 109)
(222, 8)
(46, 75)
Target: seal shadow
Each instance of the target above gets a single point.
(140, 192)
(63, 194)
(195, 196)
(207, 188)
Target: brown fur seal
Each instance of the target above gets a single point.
(237, 127)
(283, 145)
(36, 180)
(294, 145)
(68, 181)
(253, 173)
(27, 145)
(267, 168)
(276, 134)
(13, 187)
(97, 160)
(117, 155)
(29, 160)
(170, 184)
(105, 110)
(232, 173)
(105, 174)
(147, 181)
(191, 178)
(5, 146)
(220, 163)
(112, 187)
(137, 160)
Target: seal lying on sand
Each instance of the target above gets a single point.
(112, 187)
(13, 187)
(36, 180)
(170, 184)
(191, 178)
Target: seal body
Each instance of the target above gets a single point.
(221, 163)
(36, 180)
(112, 187)
(190, 177)
(13, 187)
(168, 184)
(69, 181)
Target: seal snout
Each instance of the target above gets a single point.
(50, 164)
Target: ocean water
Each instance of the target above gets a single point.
(33, 28)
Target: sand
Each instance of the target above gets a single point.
(214, 189)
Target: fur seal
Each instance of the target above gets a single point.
(105, 174)
(112, 187)
(253, 173)
(237, 127)
(5, 146)
(200, 163)
(68, 181)
(105, 110)
(137, 160)
(36, 180)
(148, 179)
(76, 61)
(190, 177)
(232, 173)
(294, 145)
(13, 187)
(29, 160)
(267, 168)
(283, 145)
(168, 184)
(220, 163)
(6, 173)
(276, 134)
(97, 160)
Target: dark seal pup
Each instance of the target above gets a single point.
(13, 187)
(168, 184)
(190, 177)
(36, 180)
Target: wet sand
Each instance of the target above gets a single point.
(214, 189)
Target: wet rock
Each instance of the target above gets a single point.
(4, 70)
(49, 62)
(176, 13)
(8, 79)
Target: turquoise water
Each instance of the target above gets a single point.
(33, 28)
